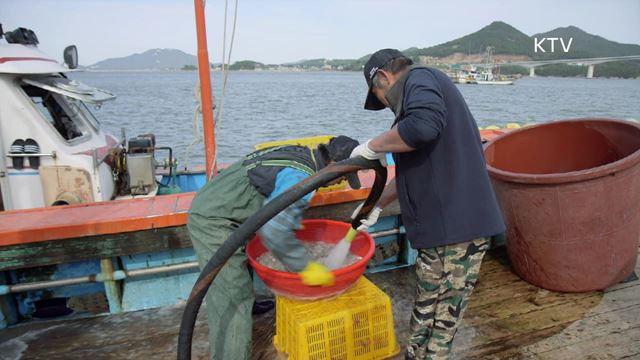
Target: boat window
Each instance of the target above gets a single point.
(70, 88)
(62, 115)
(84, 112)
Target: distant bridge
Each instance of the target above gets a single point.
(590, 62)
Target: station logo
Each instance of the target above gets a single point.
(538, 44)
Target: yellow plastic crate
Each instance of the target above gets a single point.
(310, 142)
(355, 325)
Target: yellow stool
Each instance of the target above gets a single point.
(357, 324)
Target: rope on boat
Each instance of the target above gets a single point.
(224, 42)
(197, 133)
(245, 231)
(225, 68)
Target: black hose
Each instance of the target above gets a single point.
(248, 228)
(170, 164)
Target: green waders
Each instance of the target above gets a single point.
(216, 211)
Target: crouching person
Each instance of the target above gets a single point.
(226, 202)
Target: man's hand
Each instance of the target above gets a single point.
(365, 151)
(316, 274)
(370, 220)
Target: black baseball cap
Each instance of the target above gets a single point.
(339, 148)
(379, 59)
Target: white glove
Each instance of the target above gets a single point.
(369, 220)
(365, 151)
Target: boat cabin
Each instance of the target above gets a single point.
(53, 150)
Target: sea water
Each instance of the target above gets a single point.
(266, 106)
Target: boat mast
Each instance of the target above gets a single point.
(205, 90)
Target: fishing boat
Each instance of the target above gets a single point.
(471, 75)
(466, 78)
(86, 229)
(464, 75)
(490, 74)
(90, 223)
(487, 73)
(487, 78)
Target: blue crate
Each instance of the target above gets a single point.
(406, 257)
(409, 254)
(386, 223)
(187, 181)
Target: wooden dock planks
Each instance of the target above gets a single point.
(507, 319)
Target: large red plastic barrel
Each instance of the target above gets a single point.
(329, 231)
(570, 194)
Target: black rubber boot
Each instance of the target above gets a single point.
(263, 306)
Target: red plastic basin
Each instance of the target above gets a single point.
(329, 231)
(570, 194)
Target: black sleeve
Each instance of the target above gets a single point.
(424, 109)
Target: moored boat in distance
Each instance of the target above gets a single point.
(471, 75)
(490, 75)
(487, 78)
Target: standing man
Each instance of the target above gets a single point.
(448, 205)
(226, 202)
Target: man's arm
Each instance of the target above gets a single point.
(424, 118)
(389, 195)
(278, 234)
(425, 113)
(389, 141)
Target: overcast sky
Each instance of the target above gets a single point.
(277, 31)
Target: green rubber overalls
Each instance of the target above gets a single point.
(216, 211)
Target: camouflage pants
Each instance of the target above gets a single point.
(446, 278)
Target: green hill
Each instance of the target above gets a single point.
(311, 63)
(506, 40)
(154, 59)
(584, 45)
(503, 37)
(246, 65)
(344, 64)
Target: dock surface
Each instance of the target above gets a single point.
(507, 318)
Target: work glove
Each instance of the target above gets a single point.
(370, 220)
(365, 151)
(316, 274)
